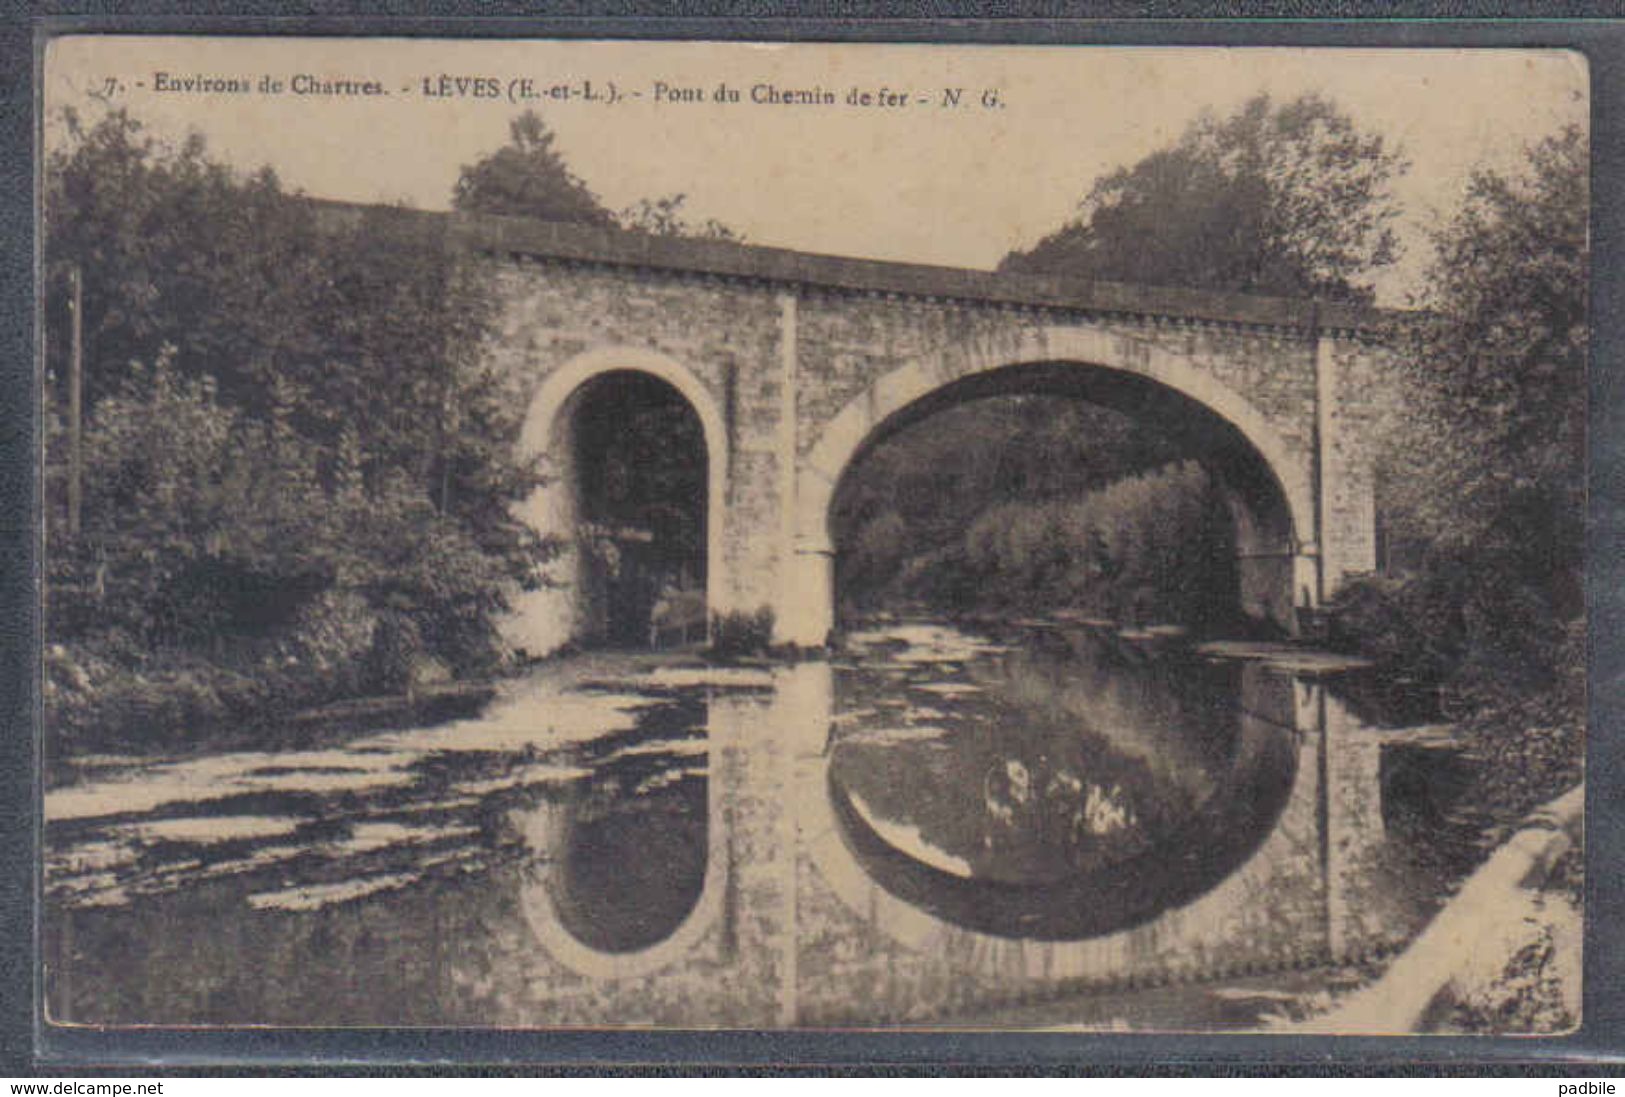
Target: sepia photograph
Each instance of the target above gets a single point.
(601, 535)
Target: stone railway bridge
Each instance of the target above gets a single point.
(795, 364)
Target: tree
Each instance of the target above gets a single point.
(528, 178)
(1010, 501)
(273, 402)
(1286, 199)
(174, 249)
(1486, 456)
(1488, 447)
(1152, 546)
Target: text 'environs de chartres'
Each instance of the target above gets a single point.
(297, 84)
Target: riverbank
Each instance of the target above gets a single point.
(231, 722)
(96, 703)
(104, 697)
(1504, 954)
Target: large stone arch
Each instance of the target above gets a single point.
(546, 619)
(809, 618)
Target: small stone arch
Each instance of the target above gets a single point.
(544, 620)
(844, 437)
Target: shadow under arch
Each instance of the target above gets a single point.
(1116, 371)
(542, 621)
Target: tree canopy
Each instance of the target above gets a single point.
(273, 404)
(1289, 199)
(528, 178)
(664, 217)
(1485, 481)
(1489, 447)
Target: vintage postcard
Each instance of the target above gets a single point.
(603, 534)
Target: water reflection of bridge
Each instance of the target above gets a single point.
(793, 926)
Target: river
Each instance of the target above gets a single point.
(1035, 825)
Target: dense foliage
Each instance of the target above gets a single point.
(1155, 547)
(1486, 475)
(1286, 199)
(1490, 449)
(290, 437)
(528, 178)
(1030, 502)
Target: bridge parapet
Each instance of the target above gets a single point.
(528, 237)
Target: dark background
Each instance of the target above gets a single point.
(22, 30)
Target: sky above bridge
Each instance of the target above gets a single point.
(901, 177)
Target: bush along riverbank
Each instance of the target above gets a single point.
(1509, 677)
(338, 666)
(1482, 486)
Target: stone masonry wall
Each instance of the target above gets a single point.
(728, 332)
(1352, 418)
(725, 332)
(849, 340)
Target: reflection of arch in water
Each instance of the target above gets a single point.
(1289, 857)
(1276, 517)
(1218, 837)
(556, 917)
(544, 620)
